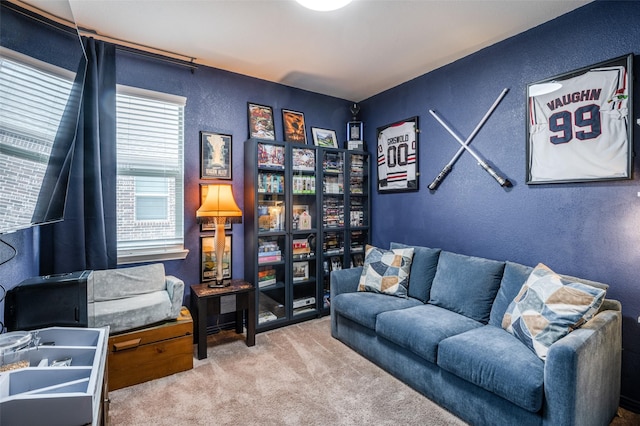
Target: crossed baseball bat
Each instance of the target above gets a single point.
(465, 147)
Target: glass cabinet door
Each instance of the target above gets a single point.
(359, 216)
(333, 216)
(272, 247)
(304, 231)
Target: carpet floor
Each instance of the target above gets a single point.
(295, 375)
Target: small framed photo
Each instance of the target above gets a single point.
(300, 271)
(260, 121)
(215, 156)
(324, 137)
(208, 263)
(293, 126)
(397, 152)
(205, 227)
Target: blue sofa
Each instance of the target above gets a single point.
(445, 339)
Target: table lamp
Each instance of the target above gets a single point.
(218, 207)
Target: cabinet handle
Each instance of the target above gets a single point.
(129, 344)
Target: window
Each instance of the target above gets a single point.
(33, 99)
(152, 197)
(150, 188)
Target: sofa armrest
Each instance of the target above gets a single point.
(175, 288)
(345, 280)
(582, 373)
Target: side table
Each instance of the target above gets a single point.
(239, 296)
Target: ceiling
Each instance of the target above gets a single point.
(352, 53)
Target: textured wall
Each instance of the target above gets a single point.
(217, 101)
(591, 230)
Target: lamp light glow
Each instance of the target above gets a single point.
(218, 207)
(324, 5)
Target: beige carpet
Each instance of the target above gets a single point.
(296, 375)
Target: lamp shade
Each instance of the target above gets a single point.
(219, 202)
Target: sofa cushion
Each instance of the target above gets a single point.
(423, 269)
(364, 307)
(386, 271)
(121, 283)
(133, 312)
(513, 277)
(549, 307)
(466, 284)
(421, 328)
(495, 360)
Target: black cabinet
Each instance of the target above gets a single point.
(299, 225)
(346, 213)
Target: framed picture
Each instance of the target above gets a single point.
(300, 271)
(301, 217)
(260, 121)
(398, 156)
(208, 259)
(303, 159)
(205, 227)
(293, 125)
(324, 137)
(215, 156)
(579, 124)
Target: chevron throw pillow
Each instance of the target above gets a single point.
(386, 271)
(548, 307)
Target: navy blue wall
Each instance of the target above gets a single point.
(588, 230)
(217, 101)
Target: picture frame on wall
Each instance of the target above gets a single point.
(209, 227)
(215, 155)
(579, 125)
(324, 137)
(208, 259)
(260, 119)
(397, 152)
(293, 126)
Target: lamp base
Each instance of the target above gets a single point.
(219, 284)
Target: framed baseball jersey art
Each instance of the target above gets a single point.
(398, 156)
(579, 125)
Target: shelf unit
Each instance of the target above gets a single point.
(346, 213)
(44, 394)
(294, 201)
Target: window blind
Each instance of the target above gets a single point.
(150, 139)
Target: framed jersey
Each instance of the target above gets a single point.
(398, 156)
(579, 125)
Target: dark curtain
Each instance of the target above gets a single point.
(86, 239)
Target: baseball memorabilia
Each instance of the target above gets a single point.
(398, 156)
(578, 125)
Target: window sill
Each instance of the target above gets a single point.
(151, 256)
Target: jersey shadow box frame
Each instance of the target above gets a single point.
(579, 124)
(397, 156)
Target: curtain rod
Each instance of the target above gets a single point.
(124, 45)
(143, 50)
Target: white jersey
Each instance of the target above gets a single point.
(579, 131)
(397, 156)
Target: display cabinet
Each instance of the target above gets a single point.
(345, 213)
(299, 225)
(281, 230)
